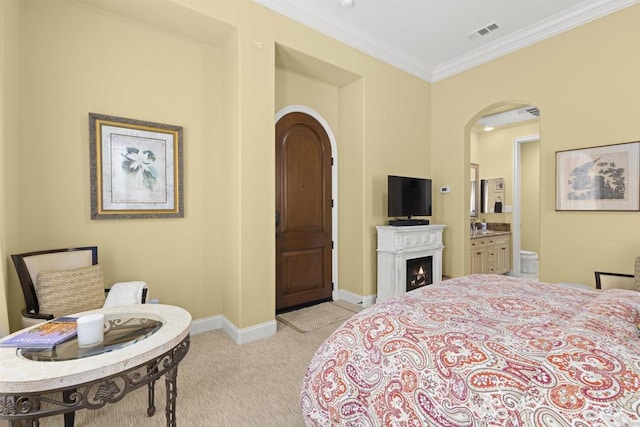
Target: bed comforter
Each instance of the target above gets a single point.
(482, 350)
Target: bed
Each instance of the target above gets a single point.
(482, 350)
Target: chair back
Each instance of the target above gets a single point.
(615, 280)
(28, 265)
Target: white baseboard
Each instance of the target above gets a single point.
(207, 324)
(350, 297)
(239, 336)
(267, 329)
(252, 333)
(369, 300)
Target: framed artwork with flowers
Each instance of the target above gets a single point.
(136, 168)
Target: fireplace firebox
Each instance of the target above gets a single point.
(419, 272)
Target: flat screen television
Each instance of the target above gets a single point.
(408, 197)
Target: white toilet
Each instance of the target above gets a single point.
(529, 264)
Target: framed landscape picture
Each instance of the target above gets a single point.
(604, 178)
(136, 168)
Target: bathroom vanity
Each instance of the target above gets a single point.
(491, 252)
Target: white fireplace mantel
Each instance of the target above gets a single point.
(396, 245)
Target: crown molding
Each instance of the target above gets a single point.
(581, 14)
(571, 18)
(300, 12)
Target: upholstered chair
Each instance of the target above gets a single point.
(59, 282)
(619, 280)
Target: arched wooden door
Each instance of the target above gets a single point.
(303, 212)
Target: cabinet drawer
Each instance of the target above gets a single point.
(482, 242)
(501, 240)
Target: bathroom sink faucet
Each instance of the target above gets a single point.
(474, 228)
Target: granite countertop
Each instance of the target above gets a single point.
(493, 229)
(489, 233)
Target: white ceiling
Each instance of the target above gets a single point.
(429, 38)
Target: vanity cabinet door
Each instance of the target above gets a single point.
(479, 256)
(491, 260)
(478, 261)
(502, 252)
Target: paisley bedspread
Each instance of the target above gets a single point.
(482, 350)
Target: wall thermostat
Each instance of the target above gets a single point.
(445, 189)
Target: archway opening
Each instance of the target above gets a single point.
(503, 140)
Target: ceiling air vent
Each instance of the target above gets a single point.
(510, 117)
(483, 31)
(533, 111)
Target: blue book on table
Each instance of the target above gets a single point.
(45, 335)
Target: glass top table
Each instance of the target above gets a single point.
(119, 332)
(142, 343)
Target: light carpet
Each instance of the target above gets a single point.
(221, 384)
(316, 317)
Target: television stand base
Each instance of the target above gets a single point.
(408, 222)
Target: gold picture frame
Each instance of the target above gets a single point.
(136, 168)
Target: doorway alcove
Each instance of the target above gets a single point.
(500, 154)
(333, 96)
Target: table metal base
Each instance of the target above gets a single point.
(18, 408)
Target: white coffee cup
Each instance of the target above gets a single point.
(90, 329)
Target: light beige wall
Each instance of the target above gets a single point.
(10, 142)
(530, 196)
(396, 143)
(296, 89)
(229, 230)
(393, 107)
(351, 206)
(375, 149)
(583, 76)
(495, 155)
(474, 149)
(121, 68)
(219, 259)
(257, 164)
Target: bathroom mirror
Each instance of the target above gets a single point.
(492, 194)
(475, 190)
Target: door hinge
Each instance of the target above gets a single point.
(332, 161)
(331, 202)
(332, 244)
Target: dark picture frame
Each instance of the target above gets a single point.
(602, 178)
(136, 168)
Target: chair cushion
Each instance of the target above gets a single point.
(64, 292)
